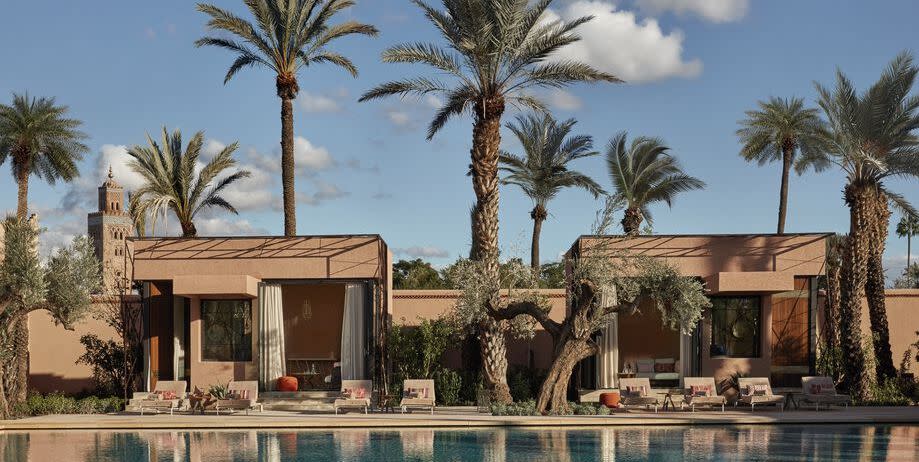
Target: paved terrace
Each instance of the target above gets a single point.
(459, 417)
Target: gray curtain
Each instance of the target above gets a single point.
(353, 327)
(271, 355)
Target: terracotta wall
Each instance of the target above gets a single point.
(320, 336)
(53, 352)
(903, 319)
(410, 306)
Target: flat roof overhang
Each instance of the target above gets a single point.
(750, 281)
(215, 285)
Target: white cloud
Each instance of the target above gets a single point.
(211, 148)
(223, 227)
(399, 118)
(310, 102)
(324, 192)
(712, 10)
(564, 100)
(309, 157)
(422, 251)
(616, 42)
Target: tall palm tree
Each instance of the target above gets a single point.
(779, 130)
(39, 139)
(170, 181)
(908, 227)
(643, 173)
(287, 36)
(872, 139)
(494, 51)
(543, 169)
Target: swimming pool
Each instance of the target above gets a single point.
(787, 442)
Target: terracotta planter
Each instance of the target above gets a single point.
(610, 399)
(287, 383)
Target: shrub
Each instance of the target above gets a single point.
(447, 383)
(524, 382)
(519, 408)
(890, 393)
(58, 403)
(583, 408)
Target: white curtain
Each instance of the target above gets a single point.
(271, 355)
(608, 356)
(352, 333)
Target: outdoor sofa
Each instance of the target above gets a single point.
(756, 391)
(241, 396)
(418, 394)
(167, 395)
(637, 392)
(701, 391)
(658, 370)
(355, 394)
(822, 390)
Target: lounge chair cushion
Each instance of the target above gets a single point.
(417, 402)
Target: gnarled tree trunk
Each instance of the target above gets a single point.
(553, 396)
(853, 277)
(486, 143)
(874, 291)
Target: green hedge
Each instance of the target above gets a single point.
(59, 403)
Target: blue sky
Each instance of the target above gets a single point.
(693, 66)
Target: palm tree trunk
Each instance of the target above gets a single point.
(783, 192)
(538, 214)
(874, 291)
(854, 275)
(631, 222)
(287, 167)
(189, 229)
(486, 142)
(831, 313)
(22, 200)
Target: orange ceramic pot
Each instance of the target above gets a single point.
(610, 399)
(287, 383)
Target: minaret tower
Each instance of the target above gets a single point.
(108, 228)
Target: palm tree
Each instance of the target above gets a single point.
(287, 36)
(172, 184)
(39, 140)
(543, 171)
(495, 50)
(779, 130)
(643, 173)
(872, 140)
(908, 227)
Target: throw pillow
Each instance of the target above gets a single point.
(701, 390)
(347, 393)
(645, 367)
(664, 367)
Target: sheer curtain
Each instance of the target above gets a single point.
(271, 355)
(352, 333)
(608, 356)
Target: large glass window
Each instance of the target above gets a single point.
(226, 331)
(736, 326)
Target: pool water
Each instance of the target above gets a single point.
(787, 442)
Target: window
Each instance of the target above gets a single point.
(226, 330)
(736, 325)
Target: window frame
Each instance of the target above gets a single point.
(757, 332)
(202, 348)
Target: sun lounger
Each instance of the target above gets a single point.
(756, 391)
(821, 390)
(701, 391)
(417, 394)
(355, 394)
(637, 392)
(241, 396)
(168, 395)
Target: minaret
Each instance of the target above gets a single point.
(108, 228)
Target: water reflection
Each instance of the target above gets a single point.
(836, 443)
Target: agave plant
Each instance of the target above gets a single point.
(873, 139)
(170, 181)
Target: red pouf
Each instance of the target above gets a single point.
(610, 399)
(287, 383)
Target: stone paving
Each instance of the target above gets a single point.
(460, 417)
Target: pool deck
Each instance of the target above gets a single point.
(459, 418)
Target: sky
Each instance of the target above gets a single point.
(692, 67)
